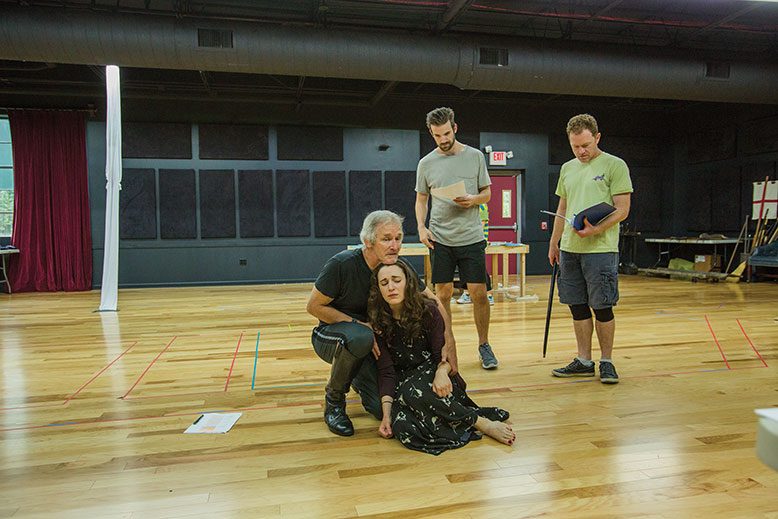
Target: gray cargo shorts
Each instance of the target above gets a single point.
(589, 279)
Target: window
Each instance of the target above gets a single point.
(6, 179)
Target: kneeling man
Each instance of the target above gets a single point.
(343, 337)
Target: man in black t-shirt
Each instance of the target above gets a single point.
(343, 337)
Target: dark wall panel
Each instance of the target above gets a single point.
(138, 205)
(559, 150)
(715, 144)
(364, 195)
(400, 189)
(725, 199)
(645, 213)
(256, 205)
(217, 203)
(177, 204)
(760, 136)
(233, 142)
(698, 210)
(310, 143)
(635, 151)
(329, 203)
(157, 140)
(294, 202)
(553, 199)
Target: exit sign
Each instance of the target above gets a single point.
(497, 158)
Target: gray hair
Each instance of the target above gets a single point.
(374, 220)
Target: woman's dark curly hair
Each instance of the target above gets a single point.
(414, 306)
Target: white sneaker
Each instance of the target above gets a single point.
(464, 299)
(491, 299)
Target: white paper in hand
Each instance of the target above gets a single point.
(450, 192)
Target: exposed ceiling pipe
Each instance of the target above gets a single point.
(146, 41)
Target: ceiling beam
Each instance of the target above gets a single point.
(604, 10)
(385, 89)
(711, 26)
(455, 8)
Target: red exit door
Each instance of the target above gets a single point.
(503, 216)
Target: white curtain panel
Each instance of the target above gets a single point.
(113, 183)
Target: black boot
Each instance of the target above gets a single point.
(344, 367)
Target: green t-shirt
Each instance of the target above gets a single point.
(451, 224)
(584, 184)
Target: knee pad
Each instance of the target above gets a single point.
(359, 340)
(604, 315)
(580, 312)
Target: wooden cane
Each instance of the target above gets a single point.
(550, 302)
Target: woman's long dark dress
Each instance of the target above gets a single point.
(422, 420)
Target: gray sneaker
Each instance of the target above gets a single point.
(608, 373)
(574, 369)
(485, 353)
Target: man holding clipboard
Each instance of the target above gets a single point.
(587, 251)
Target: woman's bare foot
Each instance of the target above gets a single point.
(497, 430)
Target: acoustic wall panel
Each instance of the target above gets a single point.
(177, 204)
(725, 200)
(233, 141)
(635, 151)
(715, 144)
(365, 196)
(157, 140)
(256, 203)
(217, 203)
(400, 189)
(645, 213)
(559, 150)
(329, 203)
(698, 209)
(760, 136)
(553, 200)
(310, 143)
(294, 202)
(138, 205)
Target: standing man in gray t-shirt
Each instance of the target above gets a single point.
(455, 236)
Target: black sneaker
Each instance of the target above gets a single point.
(575, 369)
(485, 353)
(608, 373)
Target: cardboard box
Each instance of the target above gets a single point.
(707, 262)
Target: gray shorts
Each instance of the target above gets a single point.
(589, 279)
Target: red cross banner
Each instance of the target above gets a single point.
(765, 197)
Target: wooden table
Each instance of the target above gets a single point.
(497, 249)
(3, 254)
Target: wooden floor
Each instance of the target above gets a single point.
(94, 406)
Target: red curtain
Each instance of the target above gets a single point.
(51, 202)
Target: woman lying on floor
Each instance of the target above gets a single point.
(423, 406)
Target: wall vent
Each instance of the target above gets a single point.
(493, 56)
(717, 70)
(214, 38)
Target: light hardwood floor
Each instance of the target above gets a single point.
(94, 406)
